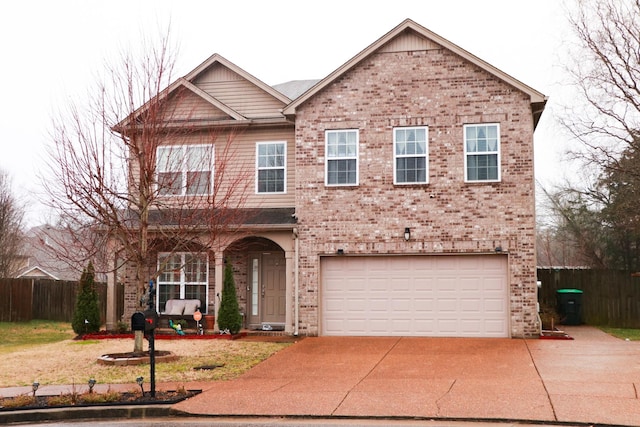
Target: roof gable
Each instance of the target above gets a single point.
(216, 90)
(412, 36)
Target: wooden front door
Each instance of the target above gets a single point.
(267, 295)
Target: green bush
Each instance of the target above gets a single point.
(229, 317)
(86, 315)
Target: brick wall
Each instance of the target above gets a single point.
(442, 91)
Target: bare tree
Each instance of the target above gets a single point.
(604, 116)
(138, 169)
(599, 212)
(11, 217)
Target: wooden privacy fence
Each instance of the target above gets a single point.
(22, 300)
(609, 298)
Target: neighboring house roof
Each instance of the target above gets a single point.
(37, 273)
(538, 100)
(295, 88)
(43, 255)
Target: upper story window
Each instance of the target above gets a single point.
(341, 165)
(271, 164)
(411, 155)
(482, 153)
(185, 170)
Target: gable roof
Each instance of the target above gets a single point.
(216, 58)
(538, 99)
(37, 272)
(188, 83)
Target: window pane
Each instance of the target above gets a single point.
(198, 158)
(271, 181)
(411, 170)
(170, 267)
(341, 172)
(170, 183)
(482, 167)
(195, 268)
(198, 182)
(169, 159)
(165, 293)
(197, 292)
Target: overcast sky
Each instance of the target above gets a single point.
(52, 48)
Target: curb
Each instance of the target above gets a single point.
(87, 412)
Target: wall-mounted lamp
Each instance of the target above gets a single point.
(340, 251)
(407, 234)
(498, 249)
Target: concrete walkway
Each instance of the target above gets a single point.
(593, 379)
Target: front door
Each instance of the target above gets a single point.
(267, 283)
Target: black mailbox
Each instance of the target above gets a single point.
(150, 320)
(137, 321)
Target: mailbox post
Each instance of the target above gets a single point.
(150, 325)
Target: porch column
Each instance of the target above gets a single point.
(289, 264)
(217, 284)
(112, 279)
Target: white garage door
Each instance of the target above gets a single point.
(448, 295)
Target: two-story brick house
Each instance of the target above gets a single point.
(396, 194)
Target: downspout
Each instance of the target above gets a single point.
(296, 309)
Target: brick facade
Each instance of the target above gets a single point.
(438, 89)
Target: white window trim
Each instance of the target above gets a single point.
(396, 156)
(184, 171)
(466, 154)
(183, 280)
(327, 159)
(258, 168)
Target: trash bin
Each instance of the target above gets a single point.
(570, 306)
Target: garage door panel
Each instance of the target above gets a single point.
(415, 295)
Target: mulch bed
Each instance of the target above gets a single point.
(159, 336)
(124, 398)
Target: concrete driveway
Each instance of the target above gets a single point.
(594, 378)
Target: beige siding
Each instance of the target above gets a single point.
(186, 105)
(239, 94)
(235, 157)
(409, 41)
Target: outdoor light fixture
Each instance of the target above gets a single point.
(92, 382)
(340, 251)
(407, 234)
(498, 249)
(34, 387)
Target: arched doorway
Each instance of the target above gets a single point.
(260, 273)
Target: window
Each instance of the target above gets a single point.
(185, 170)
(482, 152)
(271, 160)
(184, 276)
(411, 165)
(341, 157)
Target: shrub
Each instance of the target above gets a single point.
(229, 317)
(86, 315)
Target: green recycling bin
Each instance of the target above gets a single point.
(570, 306)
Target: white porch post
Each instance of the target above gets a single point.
(218, 280)
(112, 307)
(288, 319)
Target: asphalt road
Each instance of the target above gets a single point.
(284, 422)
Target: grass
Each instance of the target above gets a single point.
(22, 335)
(46, 352)
(623, 333)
